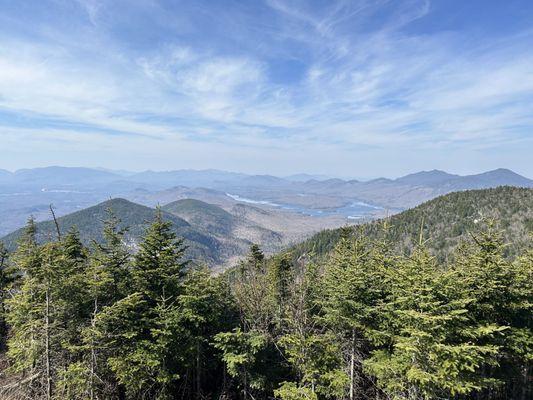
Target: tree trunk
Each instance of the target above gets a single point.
(245, 384)
(93, 351)
(352, 365)
(524, 389)
(198, 371)
(47, 346)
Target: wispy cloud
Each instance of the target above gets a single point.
(346, 76)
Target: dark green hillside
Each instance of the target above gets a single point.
(446, 220)
(136, 217)
(198, 213)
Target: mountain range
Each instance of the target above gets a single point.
(297, 205)
(218, 237)
(213, 235)
(134, 217)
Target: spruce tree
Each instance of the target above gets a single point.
(205, 308)
(502, 291)
(71, 302)
(354, 287)
(142, 330)
(158, 267)
(108, 279)
(314, 354)
(435, 348)
(6, 278)
(25, 315)
(249, 351)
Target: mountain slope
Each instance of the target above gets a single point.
(446, 220)
(497, 177)
(198, 213)
(62, 176)
(427, 178)
(232, 229)
(89, 222)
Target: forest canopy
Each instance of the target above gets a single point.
(366, 322)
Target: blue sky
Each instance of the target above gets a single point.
(347, 88)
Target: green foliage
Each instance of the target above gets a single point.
(158, 267)
(291, 391)
(446, 221)
(435, 348)
(367, 321)
(6, 278)
(240, 353)
(91, 224)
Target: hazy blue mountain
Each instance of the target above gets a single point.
(209, 178)
(443, 180)
(427, 178)
(31, 191)
(410, 190)
(62, 176)
(264, 181)
(306, 177)
(497, 177)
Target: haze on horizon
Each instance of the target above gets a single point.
(342, 88)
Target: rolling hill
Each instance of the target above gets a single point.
(445, 221)
(89, 222)
(199, 213)
(232, 229)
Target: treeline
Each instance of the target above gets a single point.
(445, 222)
(107, 323)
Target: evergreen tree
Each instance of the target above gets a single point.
(280, 278)
(436, 349)
(249, 351)
(313, 353)
(366, 322)
(143, 329)
(6, 278)
(502, 291)
(108, 282)
(355, 285)
(159, 267)
(245, 357)
(519, 338)
(25, 316)
(71, 302)
(205, 308)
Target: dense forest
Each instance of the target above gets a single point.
(366, 322)
(444, 222)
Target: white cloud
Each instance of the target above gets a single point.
(379, 86)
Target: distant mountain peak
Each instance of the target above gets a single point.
(499, 177)
(432, 177)
(502, 172)
(306, 177)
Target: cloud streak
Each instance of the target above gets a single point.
(345, 76)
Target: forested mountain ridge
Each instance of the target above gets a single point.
(210, 217)
(444, 221)
(233, 230)
(135, 217)
(213, 235)
(446, 181)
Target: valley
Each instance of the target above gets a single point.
(224, 212)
